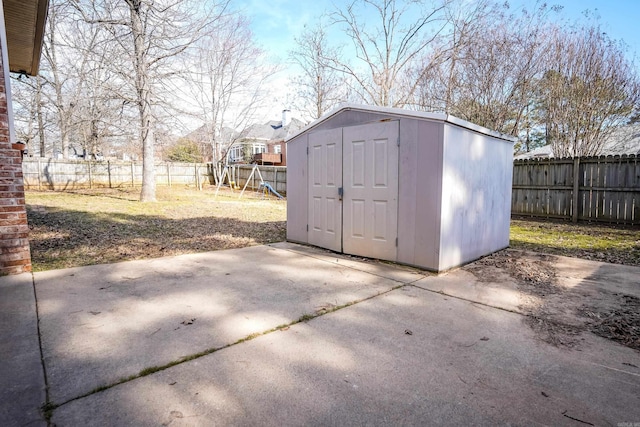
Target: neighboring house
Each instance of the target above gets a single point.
(625, 140)
(264, 143)
(22, 24)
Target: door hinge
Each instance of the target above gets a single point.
(398, 141)
(396, 242)
(307, 151)
(307, 227)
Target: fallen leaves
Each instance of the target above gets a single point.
(105, 226)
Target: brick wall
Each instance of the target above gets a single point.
(15, 256)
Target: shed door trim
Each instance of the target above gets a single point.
(364, 159)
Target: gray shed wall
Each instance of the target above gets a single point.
(453, 193)
(297, 190)
(476, 196)
(420, 188)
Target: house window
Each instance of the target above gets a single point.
(257, 148)
(277, 149)
(236, 153)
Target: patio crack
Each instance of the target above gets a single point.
(51, 406)
(47, 406)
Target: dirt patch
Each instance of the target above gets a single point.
(534, 274)
(560, 307)
(621, 324)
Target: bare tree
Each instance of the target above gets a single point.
(151, 34)
(387, 44)
(227, 82)
(320, 86)
(57, 73)
(29, 112)
(588, 89)
(489, 73)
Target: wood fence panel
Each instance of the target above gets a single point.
(58, 174)
(608, 189)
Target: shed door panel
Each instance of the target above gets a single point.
(325, 178)
(371, 190)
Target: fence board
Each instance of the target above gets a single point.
(63, 175)
(41, 173)
(608, 189)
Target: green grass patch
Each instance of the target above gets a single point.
(607, 243)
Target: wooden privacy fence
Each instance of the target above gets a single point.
(54, 174)
(602, 189)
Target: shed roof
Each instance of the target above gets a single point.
(24, 24)
(399, 113)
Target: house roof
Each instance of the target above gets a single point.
(272, 130)
(24, 24)
(399, 112)
(624, 140)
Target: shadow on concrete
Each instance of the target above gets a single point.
(461, 363)
(103, 323)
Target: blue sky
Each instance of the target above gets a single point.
(275, 23)
(619, 18)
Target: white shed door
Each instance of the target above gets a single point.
(325, 180)
(370, 209)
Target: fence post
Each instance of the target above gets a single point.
(109, 172)
(39, 175)
(275, 178)
(576, 189)
(169, 174)
(133, 183)
(90, 175)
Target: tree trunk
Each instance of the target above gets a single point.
(40, 117)
(143, 89)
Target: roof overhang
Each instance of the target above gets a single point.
(399, 112)
(24, 24)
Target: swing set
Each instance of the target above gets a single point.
(265, 187)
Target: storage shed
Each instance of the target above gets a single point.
(422, 189)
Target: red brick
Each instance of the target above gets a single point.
(12, 215)
(9, 237)
(16, 269)
(14, 240)
(9, 152)
(14, 249)
(8, 222)
(12, 195)
(12, 209)
(11, 229)
(11, 258)
(6, 245)
(11, 263)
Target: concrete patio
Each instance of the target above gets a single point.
(291, 335)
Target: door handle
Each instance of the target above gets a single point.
(340, 193)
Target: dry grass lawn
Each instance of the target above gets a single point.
(109, 225)
(99, 226)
